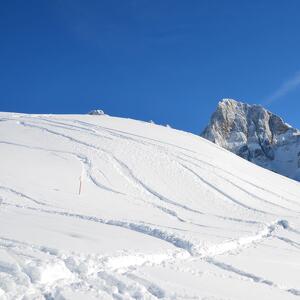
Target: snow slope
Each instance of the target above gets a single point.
(96, 207)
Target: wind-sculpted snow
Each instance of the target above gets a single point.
(96, 207)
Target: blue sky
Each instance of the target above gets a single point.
(166, 60)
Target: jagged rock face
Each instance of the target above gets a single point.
(257, 135)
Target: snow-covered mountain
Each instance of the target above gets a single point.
(257, 135)
(97, 207)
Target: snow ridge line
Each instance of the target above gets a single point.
(233, 245)
(193, 249)
(142, 228)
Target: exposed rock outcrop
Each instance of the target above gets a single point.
(257, 135)
(96, 112)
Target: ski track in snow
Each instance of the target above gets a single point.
(121, 165)
(251, 276)
(244, 190)
(70, 263)
(114, 276)
(22, 195)
(123, 136)
(135, 179)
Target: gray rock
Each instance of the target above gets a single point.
(96, 112)
(257, 135)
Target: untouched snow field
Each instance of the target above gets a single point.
(96, 207)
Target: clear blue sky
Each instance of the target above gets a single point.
(166, 60)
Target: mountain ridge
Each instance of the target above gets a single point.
(257, 135)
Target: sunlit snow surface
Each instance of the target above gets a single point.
(162, 214)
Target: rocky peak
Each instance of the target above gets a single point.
(255, 134)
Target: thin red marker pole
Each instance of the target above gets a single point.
(80, 184)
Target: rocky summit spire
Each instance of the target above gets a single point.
(257, 135)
